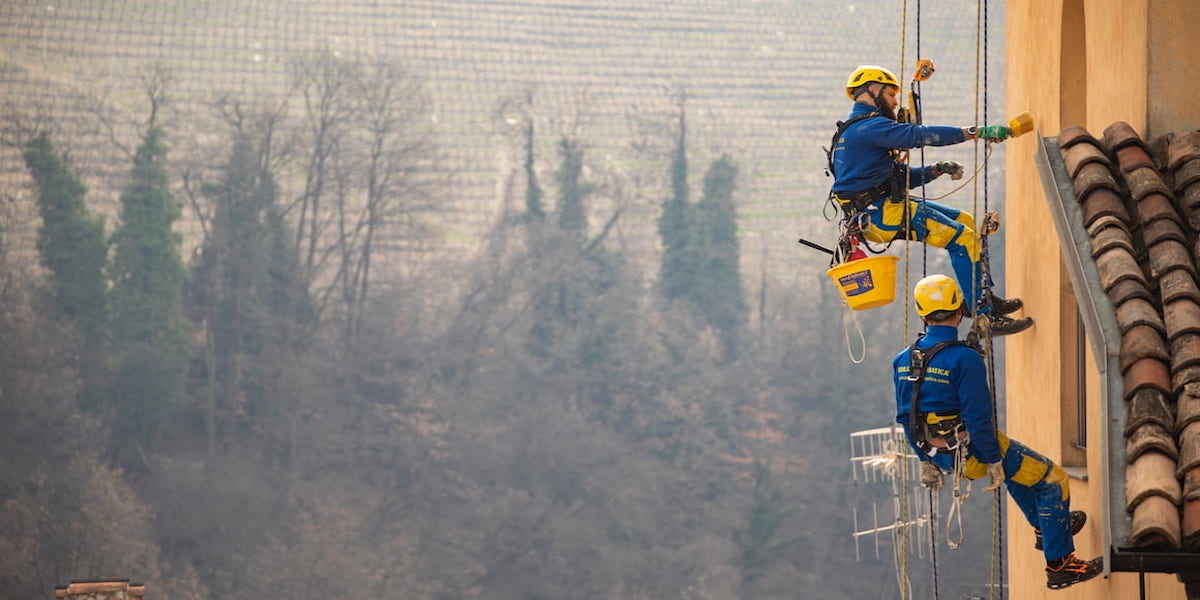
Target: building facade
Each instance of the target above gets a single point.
(1117, 73)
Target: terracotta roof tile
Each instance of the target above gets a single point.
(1149, 406)
(1107, 238)
(1106, 222)
(1156, 205)
(1185, 351)
(1150, 437)
(1121, 135)
(1189, 449)
(1133, 157)
(1189, 198)
(1073, 135)
(1156, 524)
(1139, 311)
(1183, 377)
(1094, 176)
(1182, 148)
(1152, 474)
(1174, 285)
(1118, 265)
(1142, 341)
(1127, 289)
(1079, 155)
(1103, 202)
(1149, 372)
(1191, 522)
(1145, 181)
(1191, 484)
(1169, 254)
(1181, 316)
(1186, 175)
(1162, 229)
(1187, 406)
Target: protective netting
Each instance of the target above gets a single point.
(762, 81)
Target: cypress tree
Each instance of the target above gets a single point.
(717, 290)
(148, 334)
(534, 211)
(572, 219)
(71, 245)
(224, 280)
(674, 225)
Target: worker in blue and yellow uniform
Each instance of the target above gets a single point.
(950, 424)
(870, 185)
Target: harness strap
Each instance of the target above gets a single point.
(919, 360)
(841, 129)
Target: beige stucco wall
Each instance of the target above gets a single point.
(1116, 46)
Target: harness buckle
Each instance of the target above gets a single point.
(946, 433)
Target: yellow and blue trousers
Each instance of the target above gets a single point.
(1041, 490)
(934, 224)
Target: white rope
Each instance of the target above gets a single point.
(850, 316)
(954, 516)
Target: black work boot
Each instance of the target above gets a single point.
(1004, 306)
(1071, 570)
(1002, 325)
(1078, 520)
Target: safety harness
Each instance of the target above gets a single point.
(841, 129)
(931, 425)
(858, 202)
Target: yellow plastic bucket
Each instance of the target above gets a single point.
(866, 282)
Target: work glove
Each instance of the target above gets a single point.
(995, 472)
(949, 167)
(993, 133)
(931, 476)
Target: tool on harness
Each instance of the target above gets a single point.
(911, 113)
(927, 426)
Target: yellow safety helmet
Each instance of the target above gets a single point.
(869, 74)
(936, 292)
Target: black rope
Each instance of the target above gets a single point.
(985, 285)
(919, 119)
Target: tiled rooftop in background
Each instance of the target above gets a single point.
(1141, 206)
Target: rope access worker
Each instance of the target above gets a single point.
(950, 426)
(869, 185)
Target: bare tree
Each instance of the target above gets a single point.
(367, 135)
(399, 152)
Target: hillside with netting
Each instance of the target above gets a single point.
(759, 81)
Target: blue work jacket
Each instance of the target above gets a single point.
(861, 157)
(955, 383)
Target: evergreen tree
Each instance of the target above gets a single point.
(248, 286)
(717, 288)
(572, 219)
(224, 282)
(534, 211)
(674, 225)
(71, 245)
(149, 341)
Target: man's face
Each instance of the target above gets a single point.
(888, 100)
(889, 96)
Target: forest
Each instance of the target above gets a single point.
(296, 404)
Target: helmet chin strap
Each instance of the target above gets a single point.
(877, 100)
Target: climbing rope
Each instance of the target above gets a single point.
(960, 491)
(997, 564)
(901, 548)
